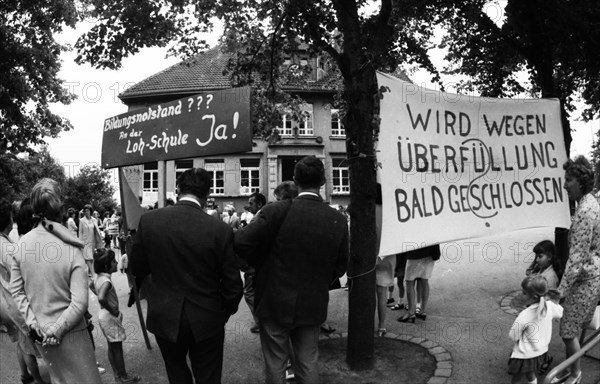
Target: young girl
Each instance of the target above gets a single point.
(109, 317)
(545, 263)
(532, 330)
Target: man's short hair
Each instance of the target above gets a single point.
(195, 181)
(259, 198)
(286, 190)
(309, 172)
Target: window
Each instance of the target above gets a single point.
(151, 177)
(217, 168)
(305, 128)
(341, 180)
(286, 125)
(250, 176)
(182, 166)
(336, 124)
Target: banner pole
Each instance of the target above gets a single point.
(128, 244)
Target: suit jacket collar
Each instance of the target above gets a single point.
(189, 204)
(310, 197)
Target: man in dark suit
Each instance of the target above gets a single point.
(299, 247)
(196, 282)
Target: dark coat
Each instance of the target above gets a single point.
(297, 262)
(190, 257)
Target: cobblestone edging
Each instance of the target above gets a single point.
(506, 303)
(444, 363)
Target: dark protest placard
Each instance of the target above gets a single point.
(458, 166)
(205, 124)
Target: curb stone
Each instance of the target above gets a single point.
(506, 303)
(444, 364)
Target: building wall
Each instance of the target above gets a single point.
(272, 158)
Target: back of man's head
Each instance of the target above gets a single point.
(195, 181)
(259, 198)
(309, 172)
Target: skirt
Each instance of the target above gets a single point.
(111, 327)
(384, 271)
(538, 365)
(419, 268)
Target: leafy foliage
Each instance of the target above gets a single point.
(29, 65)
(19, 175)
(554, 41)
(90, 186)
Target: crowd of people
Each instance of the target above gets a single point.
(291, 252)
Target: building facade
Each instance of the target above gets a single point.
(236, 176)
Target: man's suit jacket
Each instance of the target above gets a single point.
(190, 257)
(307, 252)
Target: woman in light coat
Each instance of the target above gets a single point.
(50, 286)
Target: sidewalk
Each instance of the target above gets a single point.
(464, 316)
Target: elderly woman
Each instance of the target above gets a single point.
(50, 286)
(580, 285)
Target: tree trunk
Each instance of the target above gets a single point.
(360, 93)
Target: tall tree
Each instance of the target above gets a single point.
(92, 186)
(18, 175)
(554, 41)
(260, 32)
(29, 65)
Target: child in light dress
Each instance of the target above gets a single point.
(546, 263)
(109, 317)
(532, 330)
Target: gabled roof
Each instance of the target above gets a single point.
(205, 72)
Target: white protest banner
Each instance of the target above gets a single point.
(456, 166)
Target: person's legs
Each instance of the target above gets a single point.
(175, 358)
(423, 292)
(516, 378)
(531, 377)
(274, 340)
(26, 377)
(305, 342)
(400, 283)
(381, 304)
(249, 294)
(410, 296)
(572, 347)
(206, 357)
(117, 361)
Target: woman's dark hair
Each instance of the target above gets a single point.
(582, 171)
(24, 218)
(102, 259)
(545, 246)
(89, 207)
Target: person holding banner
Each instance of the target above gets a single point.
(419, 268)
(196, 284)
(580, 284)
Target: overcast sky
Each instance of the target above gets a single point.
(97, 92)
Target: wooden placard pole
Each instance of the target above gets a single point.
(128, 240)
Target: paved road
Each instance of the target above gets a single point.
(464, 316)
